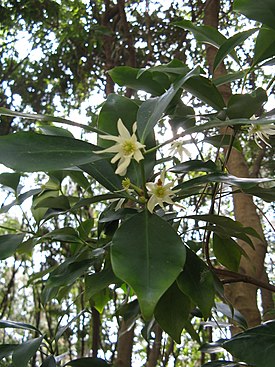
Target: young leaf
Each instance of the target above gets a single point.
(25, 351)
(152, 245)
(254, 346)
(172, 312)
(33, 152)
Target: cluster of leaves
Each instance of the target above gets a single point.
(163, 279)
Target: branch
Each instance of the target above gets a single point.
(237, 277)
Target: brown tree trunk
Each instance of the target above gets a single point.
(124, 346)
(242, 296)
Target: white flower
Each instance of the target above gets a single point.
(159, 193)
(178, 148)
(126, 148)
(261, 133)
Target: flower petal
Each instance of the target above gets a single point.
(123, 132)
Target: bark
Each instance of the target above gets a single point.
(154, 352)
(242, 296)
(124, 346)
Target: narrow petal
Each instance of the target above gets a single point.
(122, 166)
(138, 155)
(111, 137)
(123, 132)
(112, 149)
(152, 202)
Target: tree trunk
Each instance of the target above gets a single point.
(124, 346)
(242, 296)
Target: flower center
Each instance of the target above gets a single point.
(160, 191)
(128, 147)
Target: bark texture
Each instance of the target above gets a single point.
(242, 296)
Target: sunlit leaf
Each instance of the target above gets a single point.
(227, 252)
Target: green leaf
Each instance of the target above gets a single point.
(205, 34)
(19, 200)
(197, 282)
(9, 244)
(98, 281)
(31, 152)
(66, 234)
(246, 105)
(229, 77)
(25, 351)
(6, 350)
(61, 330)
(182, 116)
(60, 202)
(231, 314)
(222, 363)
(49, 362)
(222, 140)
(205, 90)
(152, 110)
(153, 245)
(263, 11)
(127, 76)
(17, 325)
(10, 180)
(254, 346)
(172, 311)
(265, 46)
(54, 130)
(230, 44)
(88, 362)
(227, 252)
(195, 165)
(100, 299)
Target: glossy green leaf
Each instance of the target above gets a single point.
(182, 116)
(254, 346)
(244, 183)
(88, 362)
(100, 299)
(49, 362)
(9, 244)
(229, 77)
(153, 245)
(152, 110)
(6, 350)
(17, 325)
(127, 76)
(60, 202)
(246, 105)
(54, 130)
(222, 363)
(205, 34)
(227, 252)
(172, 311)
(230, 44)
(265, 46)
(10, 180)
(39, 213)
(197, 282)
(263, 11)
(96, 282)
(66, 234)
(266, 194)
(206, 91)
(25, 351)
(33, 152)
(195, 165)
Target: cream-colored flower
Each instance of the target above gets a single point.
(261, 133)
(178, 148)
(159, 193)
(126, 148)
